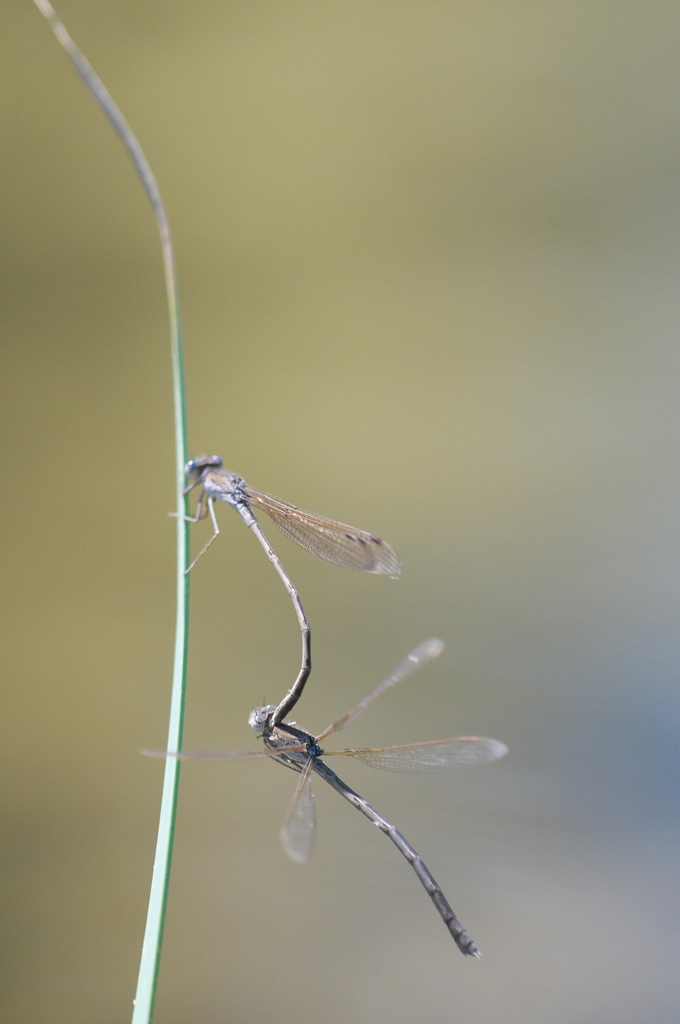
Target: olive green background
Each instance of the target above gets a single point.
(429, 256)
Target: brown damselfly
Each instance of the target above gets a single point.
(325, 538)
(302, 752)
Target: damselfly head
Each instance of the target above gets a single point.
(195, 467)
(258, 716)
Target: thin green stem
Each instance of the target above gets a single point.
(153, 935)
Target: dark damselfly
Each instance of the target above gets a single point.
(302, 752)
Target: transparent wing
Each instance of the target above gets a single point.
(430, 755)
(219, 755)
(299, 828)
(418, 657)
(326, 538)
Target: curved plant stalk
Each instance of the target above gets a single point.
(153, 936)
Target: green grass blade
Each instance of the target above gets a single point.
(153, 935)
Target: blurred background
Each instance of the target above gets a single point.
(429, 257)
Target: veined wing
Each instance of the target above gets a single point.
(299, 828)
(418, 657)
(219, 755)
(326, 538)
(428, 756)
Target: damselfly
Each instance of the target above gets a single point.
(325, 538)
(302, 752)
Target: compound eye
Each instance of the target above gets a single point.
(195, 466)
